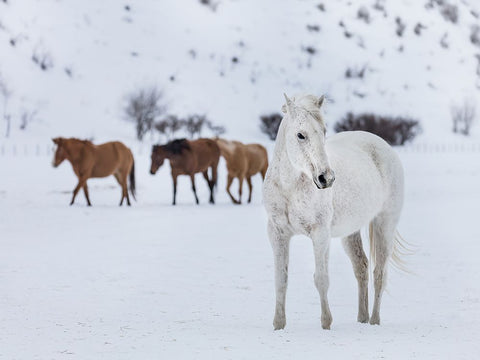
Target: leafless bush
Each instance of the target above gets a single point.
(144, 106)
(447, 10)
(363, 14)
(27, 117)
(379, 5)
(209, 3)
(444, 41)
(194, 124)
(475, 35)
(450, 12)
(463, 117)
(313, 28)
(217, 130)
(43, 59)
(5, 94)
(356, 73)
(400, 26)
(172, 125)
(418, 28)
(394, 130)
(269, 124)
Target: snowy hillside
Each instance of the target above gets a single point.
(234, 63)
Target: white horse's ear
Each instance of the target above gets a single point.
(288, 106)
(321, 100)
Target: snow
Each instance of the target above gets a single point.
(156, 281)
(112, 52)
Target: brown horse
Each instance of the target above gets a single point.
(188, 158)
(243, 161)
(96, 161)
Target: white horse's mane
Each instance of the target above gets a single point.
(309, 103)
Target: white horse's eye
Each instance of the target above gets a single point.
(300, 136)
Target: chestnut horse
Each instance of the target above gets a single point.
(243, 161)
(188, 158)
(96, 161)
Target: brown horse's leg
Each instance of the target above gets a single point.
(125, 188)
(119, 180)
(85, 191)
(81, 181)
(229, 183)
(249, 182)
(264, 171)
(211, 184)
(192, 177)
(174, 177)
(240, 187)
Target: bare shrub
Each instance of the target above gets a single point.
(400, 26)
(217, 130)
(269, 124)
(43, 59)
(444, 41)
(363, 14)
(449, 12)
(5, 94)
(144, 106)
(173, 125)
(356, 72)
(463, 117)
(194, 124)
(379, 5)
(475, 35)
(27, 117)
(394, 130)
(209, 3)
(313, 28)
(418, 28)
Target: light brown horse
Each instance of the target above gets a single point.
(188, 158)
(243, 161)
(96, 161)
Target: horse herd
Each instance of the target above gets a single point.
(187, 157)
(315, 186)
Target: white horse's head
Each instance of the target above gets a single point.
(304, 132)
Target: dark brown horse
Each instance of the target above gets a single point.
(96, 161)
(188, 158)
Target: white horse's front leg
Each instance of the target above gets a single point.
(280, 241)
(321, 248)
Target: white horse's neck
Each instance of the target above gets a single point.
(288, 175)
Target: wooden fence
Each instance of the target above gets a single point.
(29, 150)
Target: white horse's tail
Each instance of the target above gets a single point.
(401, 249)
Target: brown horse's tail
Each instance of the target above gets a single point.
(132, 180)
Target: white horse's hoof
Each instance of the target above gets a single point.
(375, 320)
(279, 324)
(326, 321)
(363, 319)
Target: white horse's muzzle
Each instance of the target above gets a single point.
(325, 179)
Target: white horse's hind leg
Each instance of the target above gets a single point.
(280, 241)
(321, 248)
(383, 233)
(354, 249)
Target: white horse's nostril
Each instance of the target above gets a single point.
(322, 180)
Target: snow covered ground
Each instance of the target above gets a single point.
(196, 282)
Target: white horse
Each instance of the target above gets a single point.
(327, 188)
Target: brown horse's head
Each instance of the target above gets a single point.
(158, 157)
(61, 153)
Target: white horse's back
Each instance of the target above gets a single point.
(369, 179)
